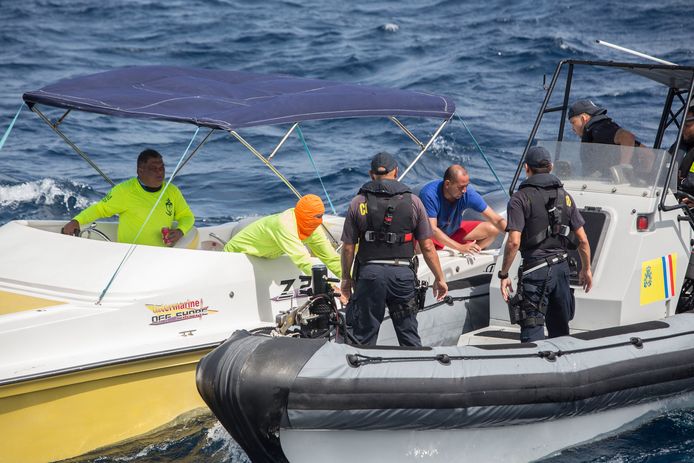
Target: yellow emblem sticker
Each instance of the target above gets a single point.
(658, 279)
(362, 209)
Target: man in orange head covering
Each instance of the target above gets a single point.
(309, 212)
(290, 233)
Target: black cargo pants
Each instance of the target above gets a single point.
(378, 286)
(553, 280)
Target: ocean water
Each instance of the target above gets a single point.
(490, 57)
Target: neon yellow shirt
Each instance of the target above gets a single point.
(132, 204)
(276, 235)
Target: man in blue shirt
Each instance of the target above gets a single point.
(445, 200)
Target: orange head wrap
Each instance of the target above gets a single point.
(306, 210)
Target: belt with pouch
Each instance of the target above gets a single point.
(537, 264)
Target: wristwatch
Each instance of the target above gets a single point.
(502, 276)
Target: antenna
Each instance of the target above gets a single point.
(634, 52)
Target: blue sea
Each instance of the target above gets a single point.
(491, 57)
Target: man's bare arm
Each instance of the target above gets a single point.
(346, 260)
(495, 219)
(510, 251)
(586, 275)
(431, 258)
(627, 141)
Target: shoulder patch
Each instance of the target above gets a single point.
(568, 200)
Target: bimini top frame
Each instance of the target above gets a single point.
(231, 100)
(679, 81)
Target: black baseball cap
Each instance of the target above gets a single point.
(383, 163)
(585, 106)
(538, 157)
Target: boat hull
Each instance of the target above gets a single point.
(292, 399)
(71, 414)
(77, 375)
(507, 444)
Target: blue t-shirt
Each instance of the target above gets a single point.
(449, 215)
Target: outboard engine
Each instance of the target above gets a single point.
(319, 316)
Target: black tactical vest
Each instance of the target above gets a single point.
(547, 214)
(388, 233)
(590, 125)
(685, 175)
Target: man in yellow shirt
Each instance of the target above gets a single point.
(290, 232)
(133, 200)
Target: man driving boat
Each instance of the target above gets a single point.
(290, 232)
(591, 123)
(685, 156)
(133, 200)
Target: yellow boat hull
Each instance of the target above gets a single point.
(71, 414)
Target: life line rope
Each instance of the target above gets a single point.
(301, 137)
(9, 129)
(484, 156)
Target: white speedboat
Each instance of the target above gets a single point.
(490, 398)
(96, 344)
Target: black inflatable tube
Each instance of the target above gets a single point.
(246, 381)
(251, 383)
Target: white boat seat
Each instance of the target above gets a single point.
(243, 223)
(190, 240)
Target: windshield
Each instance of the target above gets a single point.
(608, 168)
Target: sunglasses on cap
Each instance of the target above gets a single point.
(689, 120)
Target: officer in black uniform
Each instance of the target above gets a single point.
(385, 219)
(685, 156)
(544, 223)
(590, 122)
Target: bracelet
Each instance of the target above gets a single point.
(502, 276)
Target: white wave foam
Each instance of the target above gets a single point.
(44, 191)
(442, 145)
(450, 149)
(390, 27)
(229, 447)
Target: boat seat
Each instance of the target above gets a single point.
(223, 235)
(243, 223)
(190, 240)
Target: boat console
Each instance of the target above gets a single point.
(640, 234)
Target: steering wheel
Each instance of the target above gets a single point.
(93, 229)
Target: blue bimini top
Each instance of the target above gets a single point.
(231, 100)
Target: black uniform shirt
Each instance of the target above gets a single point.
(685, 159)
(600, 129)
(516, 215)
